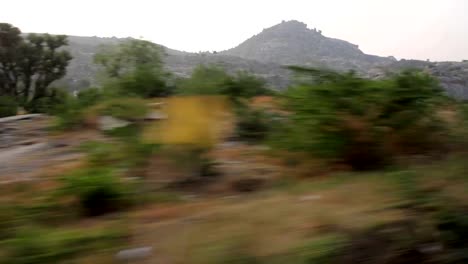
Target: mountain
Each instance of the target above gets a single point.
(265, 54)
(81, 72)
(292, 43)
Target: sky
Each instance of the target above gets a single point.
(410, 29)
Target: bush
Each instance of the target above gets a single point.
(252, 124)
(124, 108)
(98, 191)
(102, 154)
(71, 116)
(53, 103)
(212, 80)
(205, 80)
(144, 82)
(89, 97)
(8, 106)
(245, 85)
(363, 122)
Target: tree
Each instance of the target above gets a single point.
(10, 40)
(212, 80)
(134, 67)
(29, 65)
(43, 63)
(245, 85)
(205, 80)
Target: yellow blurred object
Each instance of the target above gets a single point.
(195, 120)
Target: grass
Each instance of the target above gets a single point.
(276, 224)
(297, 220)
(273, 223)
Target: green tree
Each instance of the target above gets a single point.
(245, 85)
(29, 65)
(10, 40)
(205, 80)
(212, 80)
(134, 67)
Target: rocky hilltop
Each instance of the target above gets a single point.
(293, 43)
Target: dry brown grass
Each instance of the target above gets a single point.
(269, 222)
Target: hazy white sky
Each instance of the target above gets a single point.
(420, 29)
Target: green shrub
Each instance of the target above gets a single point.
(143, 82)
(322, 250)
(212, 80)
(71, 117)
(245, 85)
(252, 124)
(98, 191)
(8, 106)
(124, 108)
(130, 152)
(205, 80)
(102, 154)
(89, 97)
(363, 122)
(53, 103)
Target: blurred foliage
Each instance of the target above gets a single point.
(71, 113)
(253, 124)
(90, 104)
(38, 245)
(53, 102)
(97, 190)
(322, 250)
(134, 68)
(205, 80)
(89, 97)
(246, 85)
(30, 63)
(123, 108)
(127, 153)
(143, 82)
(364, 122)
(126, 57)
(8, 106)
(212, 80)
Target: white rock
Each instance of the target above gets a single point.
(133, 254)
(108, 123)
(312, 197)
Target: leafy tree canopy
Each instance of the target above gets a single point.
(134, 67)
(29, 65)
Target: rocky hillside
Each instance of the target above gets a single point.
(453, 76)
(82, 71)
(288, 43)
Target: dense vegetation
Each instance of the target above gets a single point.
(364, 122)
